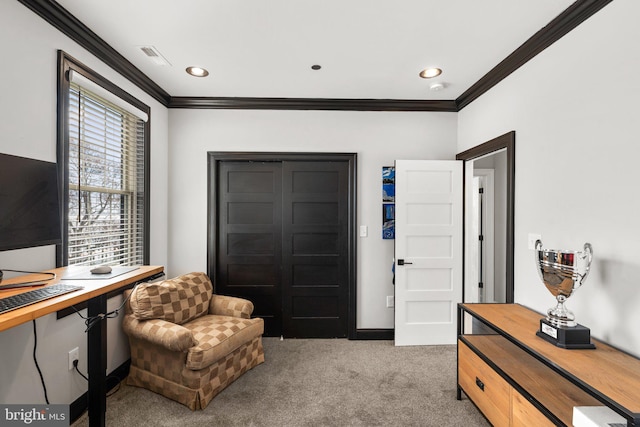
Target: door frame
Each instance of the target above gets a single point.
(506, 141)
(213, 160)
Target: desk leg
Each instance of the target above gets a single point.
(460, 332)
(97, 363)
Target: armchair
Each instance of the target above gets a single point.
(188, 344)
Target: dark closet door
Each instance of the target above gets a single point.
(250, 237)
(314, 249)
(282, 242)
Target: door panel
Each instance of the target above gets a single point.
(283, 243)
(429, 241)
(249, 230)
(315, 235)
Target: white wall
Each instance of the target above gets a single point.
(575, 112)
(28, 128)
(377, 137)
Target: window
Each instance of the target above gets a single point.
(105, 157)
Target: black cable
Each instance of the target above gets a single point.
(75, 365)
(115, 388)
(35, 346)
(90, 322)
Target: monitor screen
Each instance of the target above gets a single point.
(29, 203)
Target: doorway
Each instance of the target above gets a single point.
(497, 154)
(483, 214)
(281, 235)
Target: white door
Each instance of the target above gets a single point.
(428, 251)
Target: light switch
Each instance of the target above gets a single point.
(364, 231)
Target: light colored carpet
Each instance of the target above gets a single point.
(319, 382)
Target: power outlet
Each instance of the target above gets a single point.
(532, 239)
(73, 355)
(390, 301)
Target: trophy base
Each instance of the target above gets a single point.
(574, 337)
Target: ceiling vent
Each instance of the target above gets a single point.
(154, 55)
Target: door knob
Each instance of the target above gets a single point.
(402, 262)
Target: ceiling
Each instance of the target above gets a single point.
(368, 49)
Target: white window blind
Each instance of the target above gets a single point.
(96, 89)
(106, 182)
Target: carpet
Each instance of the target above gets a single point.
(319, 382)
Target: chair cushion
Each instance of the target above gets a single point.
(217, 336)
(177, 300)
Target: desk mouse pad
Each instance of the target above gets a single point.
(84, 273)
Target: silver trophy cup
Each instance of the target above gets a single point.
(562, 272)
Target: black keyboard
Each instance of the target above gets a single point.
(34, 296)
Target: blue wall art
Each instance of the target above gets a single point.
(388, 199)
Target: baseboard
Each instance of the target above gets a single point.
(80, 405)
(374, 334)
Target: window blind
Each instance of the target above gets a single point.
(106, 181)
(96, 89)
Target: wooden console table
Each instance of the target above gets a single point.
(95, 294)
(517, 378)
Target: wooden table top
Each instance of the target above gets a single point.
(92, 288)
(612, 372)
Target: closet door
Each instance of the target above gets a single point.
(281, 238)
(249, 250)
(315, 218)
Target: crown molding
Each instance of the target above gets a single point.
(573, 16)
(61, 19)
(312, 104)
(68, 24)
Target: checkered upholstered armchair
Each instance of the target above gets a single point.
(187, 343)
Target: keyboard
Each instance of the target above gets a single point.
(31, 297)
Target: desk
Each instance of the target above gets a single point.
(95, 294)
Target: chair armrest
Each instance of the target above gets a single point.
(230, 306)
(157, 331)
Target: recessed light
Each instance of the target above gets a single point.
(316, 67)
(197, 71)
(429, 73)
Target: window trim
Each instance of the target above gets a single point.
(66, 63)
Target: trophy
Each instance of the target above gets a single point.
(562, 272)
